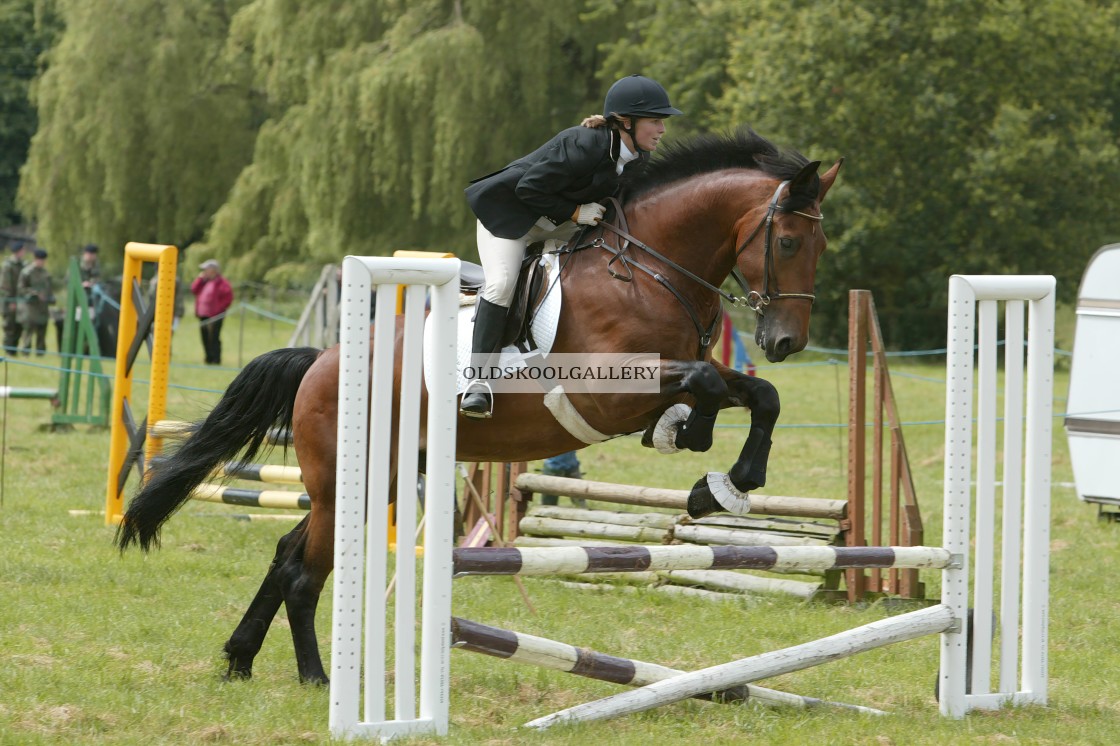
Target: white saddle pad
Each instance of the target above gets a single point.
(544, 325)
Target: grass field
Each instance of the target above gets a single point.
(103, 649)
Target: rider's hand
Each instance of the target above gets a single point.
(588, 214)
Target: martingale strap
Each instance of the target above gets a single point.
(705, 333)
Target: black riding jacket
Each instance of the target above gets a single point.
(575, 167)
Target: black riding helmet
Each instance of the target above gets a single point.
(638, 96)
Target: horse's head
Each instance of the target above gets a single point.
(778, 256)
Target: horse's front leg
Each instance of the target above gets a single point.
(716, 492)
(761, 398)
(708, 389)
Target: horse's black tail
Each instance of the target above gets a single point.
(261, 397)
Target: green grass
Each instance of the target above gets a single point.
(103, 649)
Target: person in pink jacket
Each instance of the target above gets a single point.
(212, 296)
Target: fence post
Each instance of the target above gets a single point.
(362, 488)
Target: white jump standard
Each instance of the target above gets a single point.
(362, 483)
(1023, 535)
(950, 617)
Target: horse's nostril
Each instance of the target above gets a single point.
(783, 345)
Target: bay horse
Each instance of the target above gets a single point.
(705, 208)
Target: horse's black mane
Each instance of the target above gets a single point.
(743, 148)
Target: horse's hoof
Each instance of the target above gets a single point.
(238, 674)
(701, 501)
(316, 680)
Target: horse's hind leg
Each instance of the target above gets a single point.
(245, 642)
(301, 580)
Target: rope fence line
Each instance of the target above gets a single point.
(767, 369)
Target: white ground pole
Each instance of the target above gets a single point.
(950, 617)
(1026, 529)
(362, 488)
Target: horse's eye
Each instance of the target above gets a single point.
(789, 245)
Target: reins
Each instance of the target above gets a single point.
(620, 254)
(753, 299)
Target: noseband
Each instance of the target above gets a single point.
(755, 300)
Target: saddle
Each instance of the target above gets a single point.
(529, 292)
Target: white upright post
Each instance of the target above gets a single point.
(1031, 468)
(1011, 577)
(958, 494)
(1036, 524)
(362, 488)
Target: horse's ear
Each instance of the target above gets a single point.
(807, 172)
(803, 183)
(828, 178)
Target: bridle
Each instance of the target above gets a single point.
(755, 300)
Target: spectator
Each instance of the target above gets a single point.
(564, 465)
(89, 267)
(36, 297)
(9, 290)
(212, 296)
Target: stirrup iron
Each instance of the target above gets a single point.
(482, 388)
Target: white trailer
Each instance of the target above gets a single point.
(1093, 407)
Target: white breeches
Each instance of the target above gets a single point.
(501, 257)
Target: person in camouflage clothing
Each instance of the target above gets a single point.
(36, 296)
(89, 268)
(9, 291)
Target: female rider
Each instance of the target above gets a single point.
(548, 194)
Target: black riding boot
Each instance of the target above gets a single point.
(489, 322)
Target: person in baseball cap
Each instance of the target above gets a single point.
(213, 295)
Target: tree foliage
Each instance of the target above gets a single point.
(980, 139)
(26, 30)
(682, 43)
(378, 113)
(278, 134)
(140, 132)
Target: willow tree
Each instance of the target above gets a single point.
(141, 129)
(380, 112)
